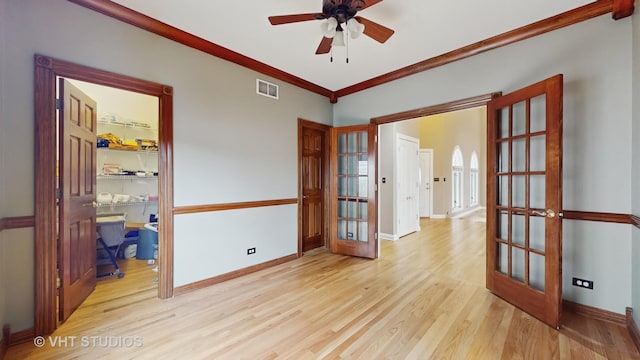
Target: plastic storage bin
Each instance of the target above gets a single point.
(147, 244)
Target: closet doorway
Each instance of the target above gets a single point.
(47, 73)
(124, 160)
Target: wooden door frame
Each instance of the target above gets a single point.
(46, 70)
(326, 168)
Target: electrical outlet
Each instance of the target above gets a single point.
(251, 251)
(587, 284)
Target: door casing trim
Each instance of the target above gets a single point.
(45, 72)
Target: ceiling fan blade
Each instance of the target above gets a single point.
(325, 46)
(288, 19)
(369, 3)
(374, 30)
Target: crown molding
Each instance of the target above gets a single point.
(567, 18)
(157, 27)
(618, 8)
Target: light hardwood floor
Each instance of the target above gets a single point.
(424, 298)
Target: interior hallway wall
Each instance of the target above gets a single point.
(230, 144)
(442, 132)
(595, 58)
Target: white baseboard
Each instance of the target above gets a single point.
(384, 236)
(438, 216)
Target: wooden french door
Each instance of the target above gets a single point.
(353, 191)
(77, 214)
(524, 199)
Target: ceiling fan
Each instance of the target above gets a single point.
(339, 17)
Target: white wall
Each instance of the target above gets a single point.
(230, 145)
(635, 177)
(595, 58)
(126, 105)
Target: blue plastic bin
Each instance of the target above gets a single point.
(147, 244)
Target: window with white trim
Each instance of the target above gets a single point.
(473, 180)
(457, 168)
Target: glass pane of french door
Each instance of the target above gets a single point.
(353, 186)
(520, 211)
(354, 193)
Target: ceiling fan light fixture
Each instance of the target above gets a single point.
(355, 28)
(329, 27)
(338, 39)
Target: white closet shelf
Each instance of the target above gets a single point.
(123, 177)
(126, 124)
(128, 150)
(127, 203)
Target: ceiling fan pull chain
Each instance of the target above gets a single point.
(347, 36)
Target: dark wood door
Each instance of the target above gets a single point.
(313, 175)
(524, 199)
(353, 191)
(77, 214)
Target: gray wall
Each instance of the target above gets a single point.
(3, 174)
(386, 205)
(442, 132)
(225, 134)
(595, 57)
(230, 144)
(635, 179)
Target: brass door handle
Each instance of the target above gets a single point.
(548, 213)
(90, 204)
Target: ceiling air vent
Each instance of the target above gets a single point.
(267, 89)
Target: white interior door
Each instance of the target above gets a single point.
(408, 219)
(426, 177)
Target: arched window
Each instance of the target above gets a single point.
(473, 180)
(457, 167)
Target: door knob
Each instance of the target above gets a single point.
(548, 213)
(90, 204)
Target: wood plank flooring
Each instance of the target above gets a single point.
(424, 298)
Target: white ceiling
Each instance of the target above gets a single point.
(423, 29)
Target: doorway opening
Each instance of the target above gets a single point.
(126, 188)
(47, 255)
(439, 135)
